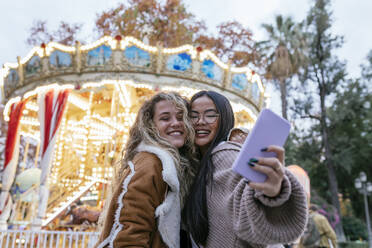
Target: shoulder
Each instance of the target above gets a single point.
(225, 154)
(227, 146)
(147, 161)
(319, 217)
(320, 220)
(146, 156)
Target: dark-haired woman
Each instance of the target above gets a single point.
(223, 209)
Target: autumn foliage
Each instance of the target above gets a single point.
(168, 23)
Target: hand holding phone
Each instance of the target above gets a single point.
(269, 129)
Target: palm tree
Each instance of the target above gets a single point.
(286, 48)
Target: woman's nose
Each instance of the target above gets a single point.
(201, 120)
(176, 122)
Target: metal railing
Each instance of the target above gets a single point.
(47, 239)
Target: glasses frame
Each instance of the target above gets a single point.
(203, 114)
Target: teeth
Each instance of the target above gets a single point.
(175, 133)
(202, 132)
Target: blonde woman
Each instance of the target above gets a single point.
(157, 168)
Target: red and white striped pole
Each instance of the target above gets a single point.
(11, 160)
(51, 107)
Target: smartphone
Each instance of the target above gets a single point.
(269, 129)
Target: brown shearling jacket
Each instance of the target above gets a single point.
(145, 191)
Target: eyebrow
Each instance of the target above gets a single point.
(168, 113)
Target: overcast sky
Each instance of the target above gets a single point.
(353, 19)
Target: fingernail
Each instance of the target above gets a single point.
(264, 149)
(252, 164)
(253, 160)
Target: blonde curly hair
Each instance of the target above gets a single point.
(144, 130)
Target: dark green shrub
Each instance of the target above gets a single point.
(354, 228)
(353, 244)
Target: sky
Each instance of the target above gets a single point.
(352, 19)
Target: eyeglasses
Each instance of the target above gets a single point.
(208, 116)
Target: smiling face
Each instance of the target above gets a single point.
(205, 120)
(169, 122)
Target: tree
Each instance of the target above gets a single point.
(351, 138)
(167, 22)
(367, 69)
(65, 34)
(351, 133)
(285, 48)
(325, 73)
(233, 43)
(172, 25)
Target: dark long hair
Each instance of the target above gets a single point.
(195, 212)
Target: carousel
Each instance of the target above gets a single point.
(69, 109)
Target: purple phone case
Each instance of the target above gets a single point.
(269, 129)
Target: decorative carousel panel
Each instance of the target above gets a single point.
(255, 93)
(211, 70)
(179, 62)
(13, 77)
(239, 81)
(137, 56)
(99, 55)
(11, 82)
(60, 59)
(34, 65)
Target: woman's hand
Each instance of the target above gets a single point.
(274, 169)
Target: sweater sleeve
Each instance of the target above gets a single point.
(144, 192)
(258, 219)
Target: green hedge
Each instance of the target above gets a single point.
(353, 244)
(354, 228)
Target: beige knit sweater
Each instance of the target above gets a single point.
(241, 217)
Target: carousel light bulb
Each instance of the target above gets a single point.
(52, 45)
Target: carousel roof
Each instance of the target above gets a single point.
(128, 61)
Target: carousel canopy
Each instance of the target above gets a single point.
(127, 60)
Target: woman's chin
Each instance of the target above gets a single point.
(202, 142)
(177, 144)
